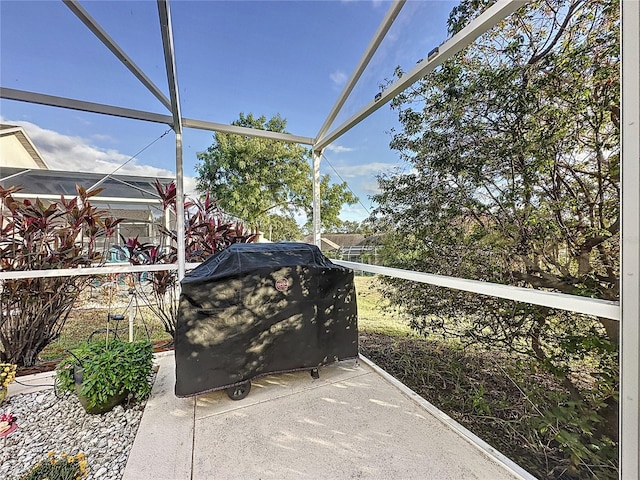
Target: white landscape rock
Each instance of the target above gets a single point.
(47, 422)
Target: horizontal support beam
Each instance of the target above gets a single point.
(104, 270)
(465, 37)
(561, 301)
(250, 132)
(63, 102)
(55, 198)
(77, 272)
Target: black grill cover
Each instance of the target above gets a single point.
(260, 308)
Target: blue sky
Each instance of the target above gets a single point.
(260, 57)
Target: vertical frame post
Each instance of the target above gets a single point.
(166, 30)
(630, 251)
(317, 154)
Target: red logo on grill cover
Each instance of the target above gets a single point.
(282, 284)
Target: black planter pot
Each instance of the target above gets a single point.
(110, 402)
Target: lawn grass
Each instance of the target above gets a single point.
(86, 319)
(372, 315)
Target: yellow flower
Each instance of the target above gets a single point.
(7, 374)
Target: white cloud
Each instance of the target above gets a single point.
(75, 154)
(370, 187)
(354, 213)
(103, 138)
(365, 170)
(338, 149)
(339, 78)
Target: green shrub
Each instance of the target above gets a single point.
(116, 368)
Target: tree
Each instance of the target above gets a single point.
(349, 226)
(365, 227)
(281, 228)
(514, 144)
(252, 177)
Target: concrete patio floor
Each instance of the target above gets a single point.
(355, 421)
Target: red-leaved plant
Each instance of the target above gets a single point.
(35, 235)
(207, 231)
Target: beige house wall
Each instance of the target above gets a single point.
(17, 150)
(13, 154)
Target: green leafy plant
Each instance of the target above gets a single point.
(37, 235)
(108, 370)
(64, 467)
(207, 231)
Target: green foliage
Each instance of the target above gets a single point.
(37, 235)
(65, 467)
(573, 427)
(252, 177)
(108, 369)
(207, 231)
(513, 146)
(349, 226)
(281, 228)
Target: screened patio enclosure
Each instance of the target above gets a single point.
(627, 311)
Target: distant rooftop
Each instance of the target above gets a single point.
(50, 184)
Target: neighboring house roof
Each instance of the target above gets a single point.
(129, 190)
(335, 241)
(17, 149)
(325, 243)
(345, 239)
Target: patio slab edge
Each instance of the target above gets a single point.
(468, 435)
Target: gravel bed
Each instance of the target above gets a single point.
(47, 423)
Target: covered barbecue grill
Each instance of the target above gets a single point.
(261, 308)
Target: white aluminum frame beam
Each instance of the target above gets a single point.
(630, 237)
(100, 108)
(316, 219)
(17, 174)
(56, 198)
(561, 301)
(77, 272)
(249, 132)
(111, 44)
(170, 64)
(63, 102)
(488, 19)
(380, 34)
